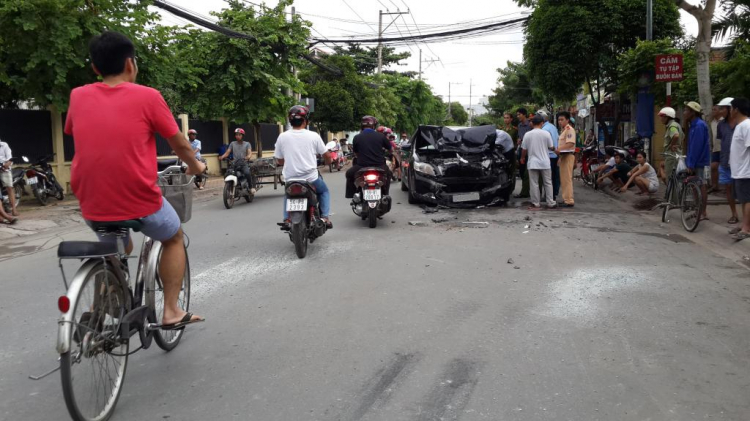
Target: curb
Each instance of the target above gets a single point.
(708, 233)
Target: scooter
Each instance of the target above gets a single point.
(43, 182)
(368, 202)
(303, 208)
(236, 186)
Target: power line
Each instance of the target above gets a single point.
(360, 17)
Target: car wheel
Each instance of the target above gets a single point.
(413, 200)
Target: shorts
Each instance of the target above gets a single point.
(160, 225)
(742, 190)
(702, 173)
(725, 176)
(653, 186)
(6, 177)
(715, 157)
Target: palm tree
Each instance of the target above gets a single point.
(734, 24)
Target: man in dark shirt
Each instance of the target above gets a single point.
(523, 128)
(369, 149)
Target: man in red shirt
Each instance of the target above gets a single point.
(114, 169)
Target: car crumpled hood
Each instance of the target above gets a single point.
(471, 140)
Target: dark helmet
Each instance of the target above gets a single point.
(297, 114)
(369, 121)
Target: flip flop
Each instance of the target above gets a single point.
(733, 220)
(734, 230)
(741, 235)
(182, 323)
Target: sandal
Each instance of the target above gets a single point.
(734, 230)
(741, 235)
(733, 220)
(186, 320)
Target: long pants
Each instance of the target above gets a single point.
(324, 195)
(555, 176)
(524, 181)
(351, 173)
(534, 181)
(244, 168)
(567, 162)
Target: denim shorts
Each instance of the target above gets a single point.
(160, 225)
(725, 176)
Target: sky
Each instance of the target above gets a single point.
(469, 66)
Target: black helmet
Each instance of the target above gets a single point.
(369, 121)
(297, 114)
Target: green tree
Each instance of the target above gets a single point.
(457, 115)
(44, 45)
(514, 89)
(731, 77)
(704, 15)
(247, 80)
(565, 56)
(366, 58)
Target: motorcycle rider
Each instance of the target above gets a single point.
(6, 176)
(296, 150)
(196, 145)
(369, 151)
(241, 150)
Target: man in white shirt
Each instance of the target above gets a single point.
(536, 145)
(6, 176)
(739, 161)
(297, 151)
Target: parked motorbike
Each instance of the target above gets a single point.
(235, 184)
(368, 202)
(632, 146)
(43, 182)
(304, 212)
(200, 179)
(18, 183)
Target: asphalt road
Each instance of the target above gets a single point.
(603, 315)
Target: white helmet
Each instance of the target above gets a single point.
(668, 111)
(726, 102)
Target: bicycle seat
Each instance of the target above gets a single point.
(116, 226)
(79, 249)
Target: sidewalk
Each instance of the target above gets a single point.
(712, 233)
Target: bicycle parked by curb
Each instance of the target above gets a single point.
(101, 312)
(686, 189)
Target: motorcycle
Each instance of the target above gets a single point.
(200, 179)
(631, 147)
(18, 183)
(43, 182)
(235, 184)
(337, 160)
(304, 213)
(368, 202)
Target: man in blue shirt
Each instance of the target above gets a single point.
(552, 130)
(699, 152)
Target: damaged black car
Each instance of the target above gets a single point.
(458, 168)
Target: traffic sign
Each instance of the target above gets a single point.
(669, 68)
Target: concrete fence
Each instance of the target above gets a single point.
(38, 133)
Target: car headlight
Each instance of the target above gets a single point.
(424, 168)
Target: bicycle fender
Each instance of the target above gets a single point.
(231, 179)
(65, 323)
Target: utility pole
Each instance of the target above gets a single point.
(650, 20)
(420, 64)
(449, 98)
(380, 34)
(471, 110)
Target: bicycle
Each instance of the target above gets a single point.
(687, 189)
(102, 312)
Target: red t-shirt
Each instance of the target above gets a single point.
(114, 169)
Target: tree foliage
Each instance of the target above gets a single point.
(366, 58)
(247, 81)
(458, 115)
(569, 43)
(515, 89)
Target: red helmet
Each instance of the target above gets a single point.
(299, 112)
(388, 131)
(240, 131)
(192, 131)
(369, 121)
(381, 129)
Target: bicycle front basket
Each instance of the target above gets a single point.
(178, 190)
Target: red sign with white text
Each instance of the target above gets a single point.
(668, 68)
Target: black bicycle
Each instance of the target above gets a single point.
(683, 192)
(102, 312)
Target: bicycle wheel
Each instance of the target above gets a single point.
(166, 339)
(690, 203)
(93, 370)
(667, 201)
